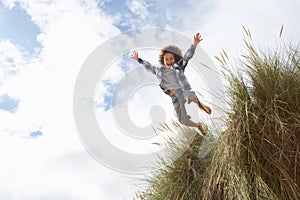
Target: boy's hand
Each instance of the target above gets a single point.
(134, 55)
(197, 39)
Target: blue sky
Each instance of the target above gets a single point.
(8, 103)
(17, 26)
(43, 45)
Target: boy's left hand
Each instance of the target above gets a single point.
(197, 39)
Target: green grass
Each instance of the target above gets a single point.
(179, 180)
(257, 156)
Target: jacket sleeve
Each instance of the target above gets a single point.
(182, 63)
(148, 66)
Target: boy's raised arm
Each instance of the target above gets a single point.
(190, 52)
(134, 55)
(197, 39)
(148, 66)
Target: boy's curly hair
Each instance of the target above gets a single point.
(169, 49)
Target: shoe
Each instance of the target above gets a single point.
(201, 129)
(204, 107)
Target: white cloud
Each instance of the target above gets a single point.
(45, 85)
(11, 58)
(220, 22)
(54, 166)
(31, 171)
(221, 26)
(139, 8)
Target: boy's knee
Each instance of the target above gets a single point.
(185, 121)
(193, 97)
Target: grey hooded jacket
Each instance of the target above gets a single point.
(174, 79)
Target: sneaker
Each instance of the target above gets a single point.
(204, 107)
(201, 129)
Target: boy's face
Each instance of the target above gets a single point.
(169, 59)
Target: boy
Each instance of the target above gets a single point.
(173, 80)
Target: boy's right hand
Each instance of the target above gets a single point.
(134, 55)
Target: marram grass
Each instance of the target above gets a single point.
(257, 156)
(179, 180)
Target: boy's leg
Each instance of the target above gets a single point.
(179, 107)
(201, 129)
(193, 124)
(178, 103)
(195, 99)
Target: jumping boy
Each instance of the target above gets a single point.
(173, 80)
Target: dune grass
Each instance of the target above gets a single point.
(257, 156)
(179, 180)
